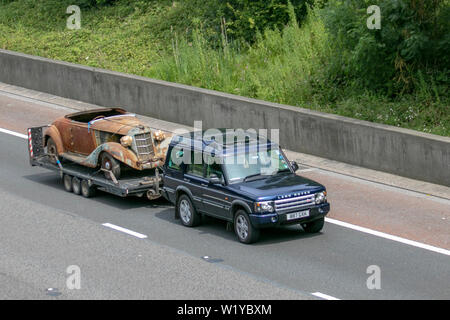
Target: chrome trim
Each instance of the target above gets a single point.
(293, 204)
(293, 199)
(143, 145)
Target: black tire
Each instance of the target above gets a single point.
(52, 151)
(67, 180)
(76, 185)
(86, 190)
(187, 213)
(314, 226)
(244, 229)
(109, 163)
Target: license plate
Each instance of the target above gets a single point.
(297, 215)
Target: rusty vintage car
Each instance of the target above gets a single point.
(110, 138)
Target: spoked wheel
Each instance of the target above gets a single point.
(243, 228)
(51, 150)
(110, 164)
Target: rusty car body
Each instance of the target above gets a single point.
(109, 138)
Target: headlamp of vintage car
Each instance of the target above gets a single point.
(126, 141)
(159, 136)
(321, 197)
(266, 206)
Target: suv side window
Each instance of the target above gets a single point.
(214, 168)
(175, 164)
(196, 169)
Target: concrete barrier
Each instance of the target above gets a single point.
(399, 151)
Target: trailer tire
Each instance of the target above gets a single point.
(67, 182)
(86, 190)
(76, 185)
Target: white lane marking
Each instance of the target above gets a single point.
(23, 136)
(337, 222)
(307, 170)
(324, 296)
(389, 236)
(130, 232)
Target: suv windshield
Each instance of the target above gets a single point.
(254, 165)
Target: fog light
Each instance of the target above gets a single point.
(274, 219)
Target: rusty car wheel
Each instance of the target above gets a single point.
(52, 151)
(110, 164)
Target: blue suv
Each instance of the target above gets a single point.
(248, 182)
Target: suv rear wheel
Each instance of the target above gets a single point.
(243, 228)
(187, 213)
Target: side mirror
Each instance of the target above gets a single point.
(214, 179)
(294, 165)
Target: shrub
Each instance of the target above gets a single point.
(414, 35)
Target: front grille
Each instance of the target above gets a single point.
(292, 204)
(144, 146)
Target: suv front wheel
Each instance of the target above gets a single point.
(314, 226)
(243, 228)
(187, 213)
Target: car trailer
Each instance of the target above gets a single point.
(85, 181)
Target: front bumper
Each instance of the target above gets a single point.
(277, 219)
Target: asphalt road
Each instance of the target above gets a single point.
(44, 229)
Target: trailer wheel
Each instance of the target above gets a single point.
(67, 182)
(86, 190)
(76, 185)
(110, 164)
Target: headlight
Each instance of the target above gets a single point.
(264, 206)
(321, 197)
(126, 141)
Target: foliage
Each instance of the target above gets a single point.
(326, 60)
(414, 37)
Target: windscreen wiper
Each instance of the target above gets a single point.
(252, 176)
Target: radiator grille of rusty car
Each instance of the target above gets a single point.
(292, 204)
(144, 146)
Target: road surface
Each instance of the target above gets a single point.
(44, 230)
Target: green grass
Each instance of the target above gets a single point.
(160, 40)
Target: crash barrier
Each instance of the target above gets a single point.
(395, 150)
